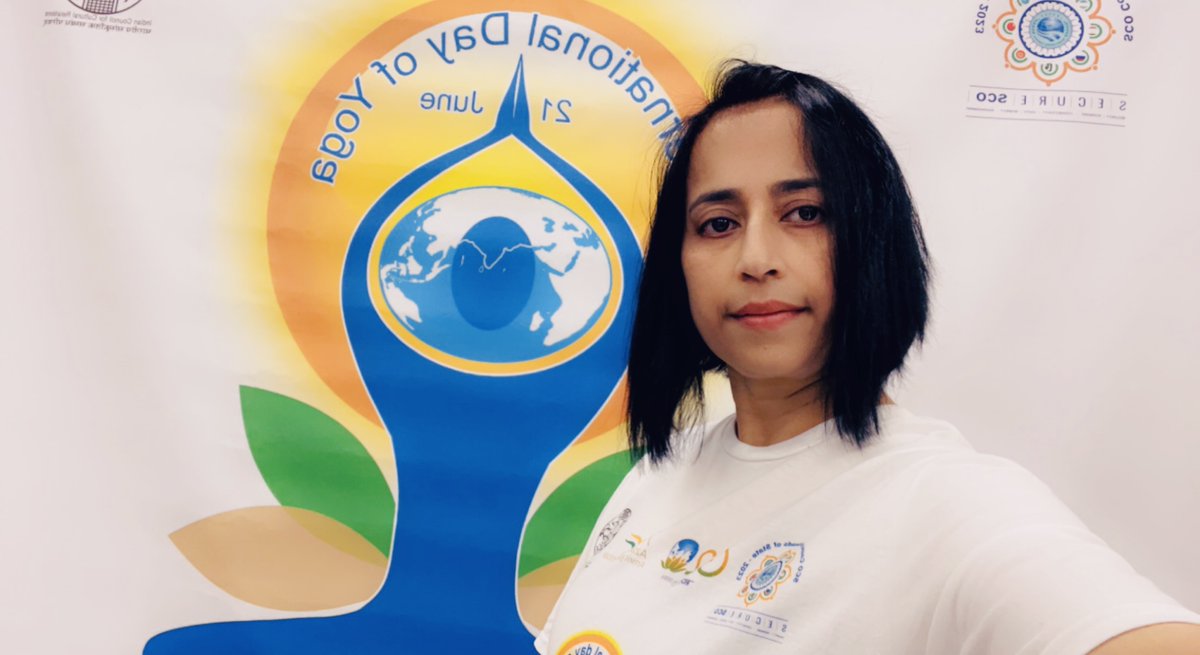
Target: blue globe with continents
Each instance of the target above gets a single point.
(495, 275)
(1051, 29)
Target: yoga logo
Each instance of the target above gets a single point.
(636, 551)
(450, 235)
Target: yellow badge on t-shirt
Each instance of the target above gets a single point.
(589, 642)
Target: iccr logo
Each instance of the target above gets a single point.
(105, 7)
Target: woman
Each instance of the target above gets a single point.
(820, 518)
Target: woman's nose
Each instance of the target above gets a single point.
(759, 256)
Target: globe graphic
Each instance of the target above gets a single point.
(768, 575)
(495, 274)
(1051, 29)
(686, 549)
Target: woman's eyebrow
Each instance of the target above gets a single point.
(779, 188)
(788, 186)
(720, 195)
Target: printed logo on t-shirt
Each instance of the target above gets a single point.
(633, 552)
(610, 530)
(590, 642)
(686, 558)
(772, 565)
(748, 622)
(770, 569)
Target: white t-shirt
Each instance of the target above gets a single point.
(914, 544)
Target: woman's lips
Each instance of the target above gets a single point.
(766, 315)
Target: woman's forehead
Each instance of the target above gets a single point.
(750, 147)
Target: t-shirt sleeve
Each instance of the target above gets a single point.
(1042, 584)
(541, 643)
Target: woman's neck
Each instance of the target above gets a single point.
(771, 411)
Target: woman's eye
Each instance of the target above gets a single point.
(716, 226)
(807, 214)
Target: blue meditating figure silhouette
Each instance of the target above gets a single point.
(470, 447)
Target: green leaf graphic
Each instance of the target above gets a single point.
(561, 526)
(310, 461)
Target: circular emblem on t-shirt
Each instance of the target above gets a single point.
(771, 566)
(589, 642)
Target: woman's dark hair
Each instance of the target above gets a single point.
(880, 266)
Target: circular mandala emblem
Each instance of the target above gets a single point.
(1051, 29)
(1051, 37)
(763, 583)
(105, 7)
(767, 577)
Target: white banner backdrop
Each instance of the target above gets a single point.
(142, 137)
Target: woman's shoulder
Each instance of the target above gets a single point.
(925, 460)
(940, 472)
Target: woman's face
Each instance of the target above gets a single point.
(757, 255)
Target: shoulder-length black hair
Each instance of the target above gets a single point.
(880, 266)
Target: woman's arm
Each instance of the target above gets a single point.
(1159, 639)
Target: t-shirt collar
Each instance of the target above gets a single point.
(805, 440)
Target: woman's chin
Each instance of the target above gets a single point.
(768, 371)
